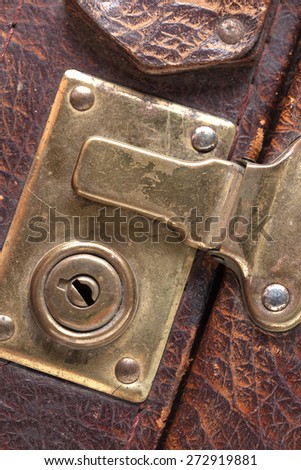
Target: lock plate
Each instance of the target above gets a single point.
(52, 218)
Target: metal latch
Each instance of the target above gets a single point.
(247, 216)
(124, 188)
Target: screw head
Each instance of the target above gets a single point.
(204, 139)
(276, 297)
(7, 327)
(82, 98)
(231, 30)
(127, 370)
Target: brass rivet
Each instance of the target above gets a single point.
(231, 30)
(276, 297)
(82, 98)
(127, 370)
(204, 139)
(7, 327)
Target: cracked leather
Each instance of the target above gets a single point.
(40, 412)
(244, 388)
(168, 36)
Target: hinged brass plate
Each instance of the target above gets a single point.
(57, 232)
(246, 215)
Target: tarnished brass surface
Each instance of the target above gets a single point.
(248, 217)
(160, 268)
(159, 186)
(260, 261)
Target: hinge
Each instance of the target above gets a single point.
(124, 188)
(247, 216)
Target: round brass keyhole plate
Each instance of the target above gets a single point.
(84, 294)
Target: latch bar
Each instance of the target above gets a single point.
(170, 189)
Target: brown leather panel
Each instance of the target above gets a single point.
(9, 13)
(268, 81)
(46, 43)
(167, 36)
(244, 388)
(289, 127)
(39, 412)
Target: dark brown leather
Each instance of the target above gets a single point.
(244, 388)
(167, 36)
(46, 42)
(9, 14)
(260, 109)
(39, 412)
(289, 125)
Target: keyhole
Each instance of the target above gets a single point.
(84, 291)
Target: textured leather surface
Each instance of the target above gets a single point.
(9, 13)
(39, 412)
(165, 36)
(289, 126)
(260, 110)
(244, 388)
(44, 44)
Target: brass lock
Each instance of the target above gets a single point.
(94, 305)
(80, 299)
(83, 295)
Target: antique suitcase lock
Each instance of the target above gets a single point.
(124, 188)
